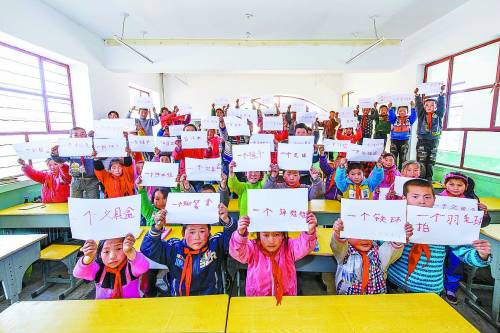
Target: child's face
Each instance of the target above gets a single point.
(253, 176)
(159, 200)
(190, 129)
(456, 187)
(79, 133)
(53, 167)
(356, 176)
(166, 131)
(210, 134)
(301, 132)
(219, 113)
(112, 115)
(196, 235)
(348, 131)
(112, 252)
(143, 113)
(116, 169)
(383, 111)
(412, 171)
(138, 167)
(271, 241)
(366, 111)
(420, 196)
(361, 244)
(165, 159)
(429, 106)
(388, 161)
(291, 177)
(402, 111)
(332, 115)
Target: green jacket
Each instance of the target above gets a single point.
(241, 189)
(381, 126)
(148, 209)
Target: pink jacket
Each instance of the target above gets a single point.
(259, 274)
(55, 188)
(130, 286)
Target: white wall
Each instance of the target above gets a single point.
(200, 90)
(53, 35)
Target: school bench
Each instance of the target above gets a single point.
(145, 315)
(17, 253)
(375, 313)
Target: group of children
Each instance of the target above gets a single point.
(195, 261)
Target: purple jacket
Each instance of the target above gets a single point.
(259, 274)
(331, 190)
(104, 282)
(386, 182)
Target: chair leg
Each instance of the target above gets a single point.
(45, 276)
(70, 262)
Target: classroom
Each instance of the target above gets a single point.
(263, 166)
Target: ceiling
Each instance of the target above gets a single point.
(278, 19)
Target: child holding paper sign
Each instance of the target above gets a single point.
(458, 186)
(390, 174)
(366, 120)
(115, 267)
(411, 169)
(421, 266)
(194, 262)
(292, 180)
(382, 124)
(351, 180)
(180, 154)
(271, 258)
(119, 180)
(361, 263)
(143, 121)
(348, 134)
(55, 181)
(331, 190)
(401, 131)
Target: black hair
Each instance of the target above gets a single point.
(354, 165)
(418, 182)
(191, 126)
(285, 239)
(469, 192)
(430, 100)
(164, 190)
(184, 226)
(403, 107)
(383, 106)
(113, 112)
(113, 161)
(208, 187)
(384, 155)
(300, 125)
(98, 258)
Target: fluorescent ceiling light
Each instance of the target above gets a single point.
(132, 49)
(365, 50)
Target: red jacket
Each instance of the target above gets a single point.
(174, 119)
(55, 187)
(354, 137)
(114, 186)
(213, 147)
(181, 154)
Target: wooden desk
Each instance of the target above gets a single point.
(145, 315)
(17, 253)
(53, 215)
(493, 208)
(376, 313)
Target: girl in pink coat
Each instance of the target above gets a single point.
(271, 258)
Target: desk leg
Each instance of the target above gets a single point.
(13, 267)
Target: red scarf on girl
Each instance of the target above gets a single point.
(277, 278)
(117, 287)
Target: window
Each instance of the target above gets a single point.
(36, 102)
(471, 128)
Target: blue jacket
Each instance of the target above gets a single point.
(373, 181)
(207, 271)
(401, 131)
(437, 119)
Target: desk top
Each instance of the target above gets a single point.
(492, 203)
(493, 231)
(324, 236)
(164, 314)
(375, 313)
(13, 243)
(36, 209)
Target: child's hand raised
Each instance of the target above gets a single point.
(224, 214)
(128, 246)
(89, 250)
(138, 183)
(321, 150)
(94, 153)
(231, 168)
(408, 231)
(243, 224)
(483, 248)
(312, 222)
(482, 206)
(338, 226)
(379, 162)
(274, 170)
(55, 150)
(223, 181)
(21, 162)
(160, 219)
(157, 152)
(343, 162)
(314, 173)
(416, 91)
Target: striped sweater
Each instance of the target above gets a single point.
(430, 278)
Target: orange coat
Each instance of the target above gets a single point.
(116, 186)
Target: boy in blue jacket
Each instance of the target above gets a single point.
(194, 262)
(352, 181)
(401, 131)
(430, 122)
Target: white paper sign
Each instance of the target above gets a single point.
(444, 227)
(110, 147)
(139, 143)
(236, 126)
(349, 122)
(75, 147)
(463, 204)
(374, 143)
(430, 88)
(373, 219)
(366, 103)
(210, 122)
(165, 143)
(245, 100)
(126, 124)
(278, 210)
(243, 113)
(364, 153)
(108, 129)
(159, 174)
(100, 219)
(176, 130)
(298, 107)
(221, 101)
(208, 169)
(383, 191)
(143, 102)
(402, 99)
(384, 98)
(252, 157)
(194, 139)
(303, 140)
(184, 109)
(336, 145)
(268, 111)
(295, 156)
(346, 113)
(267, 100)
(306, 117)
(399, 183)
(263, 139)
(272, 123)
(193, 208)
(33, 149)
